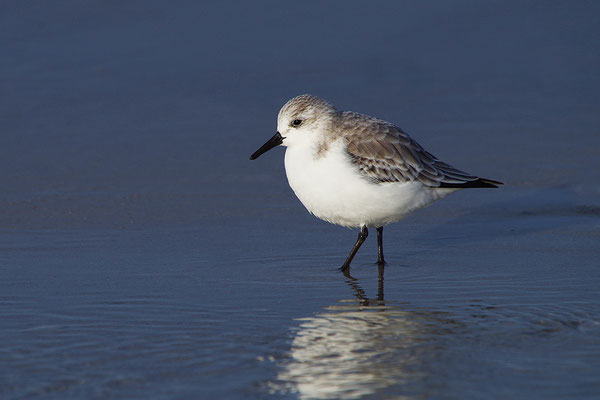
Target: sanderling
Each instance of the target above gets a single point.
(358, 171)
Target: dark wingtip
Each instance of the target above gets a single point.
(490, 183)
(478, 183)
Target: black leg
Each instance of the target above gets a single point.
(380, 259)
(362, 235)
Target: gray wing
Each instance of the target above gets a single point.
(384, 153)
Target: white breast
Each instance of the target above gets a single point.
(331, 188)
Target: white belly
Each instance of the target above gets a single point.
(331, 188)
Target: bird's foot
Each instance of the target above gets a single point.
(346, 273)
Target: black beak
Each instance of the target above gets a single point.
(276, 140)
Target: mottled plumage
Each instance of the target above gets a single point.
(385, 153)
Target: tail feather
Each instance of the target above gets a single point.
(477, 183)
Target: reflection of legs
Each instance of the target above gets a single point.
(380, 282)
(362, 235)
(360, 294)
(380, 259)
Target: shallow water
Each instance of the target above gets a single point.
(143, 256)
(138, 313)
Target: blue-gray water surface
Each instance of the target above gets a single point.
(143, 256)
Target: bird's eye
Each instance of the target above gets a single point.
(297, 122)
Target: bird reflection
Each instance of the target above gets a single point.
(360, 347)
(360, 293)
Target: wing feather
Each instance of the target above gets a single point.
(384, 153)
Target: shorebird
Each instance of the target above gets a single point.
(357, 171)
